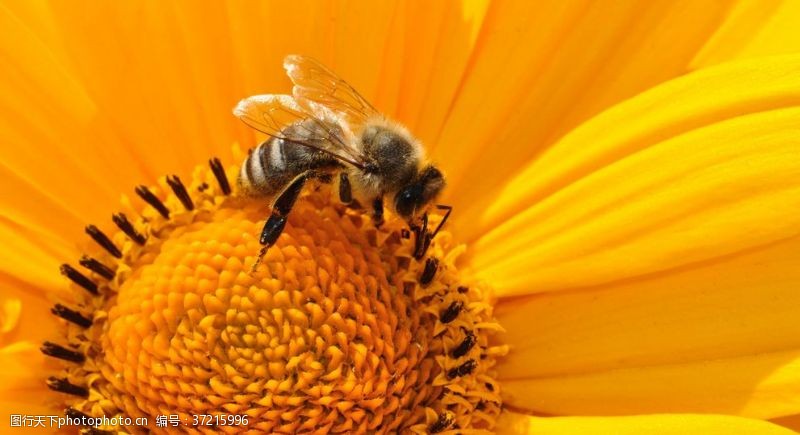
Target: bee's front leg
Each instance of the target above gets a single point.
(377, 211)
(345, 190)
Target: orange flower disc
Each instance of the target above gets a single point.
(339, 329)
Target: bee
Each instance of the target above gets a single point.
(327, 129)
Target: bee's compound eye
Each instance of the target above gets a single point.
(406, 200)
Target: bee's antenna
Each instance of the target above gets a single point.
(449, 209)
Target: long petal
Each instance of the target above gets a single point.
(701, 167)
(755, 28)
(717, 337)
(541, 68)
(23, 379)
(668, 424)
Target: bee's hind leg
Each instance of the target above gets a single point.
(280, 213)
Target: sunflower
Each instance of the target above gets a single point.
(620, 259)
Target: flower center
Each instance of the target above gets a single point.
(339, 329)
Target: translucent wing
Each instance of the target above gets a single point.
(271, 114)
(316, 83)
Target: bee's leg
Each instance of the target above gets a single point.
(377, 211)
(280, 213)
(345, 190)
(424, 238)
(421, 233)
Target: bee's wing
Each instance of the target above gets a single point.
(316, 83)
(271, 114)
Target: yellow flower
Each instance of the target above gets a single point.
(623, 176)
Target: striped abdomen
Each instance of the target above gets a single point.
(274, 163)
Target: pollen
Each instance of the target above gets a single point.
(340, 329)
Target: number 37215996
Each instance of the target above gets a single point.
(219, 420)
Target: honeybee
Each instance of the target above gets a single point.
(324, 129)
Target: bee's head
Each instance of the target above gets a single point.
(415, 197)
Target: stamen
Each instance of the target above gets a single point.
(445, 420)
(103, 240)
(96, 267)
(202, 187)
(219, 174)
(431, 265)
(57, 351)
(180, 191)
(462, 370)
(71, 316)
(62, 385)
(151, 199)
(79, 278)
(451, 312)
(466, 344)
(75, 414)
(125, 225)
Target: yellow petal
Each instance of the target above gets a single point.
(754, 28)
(719, 337)
(9, 314)
(759, 386)
(540, 68)
(26, 313)
(23, 367)
(703, 166)
(667, 424)
(23, 378)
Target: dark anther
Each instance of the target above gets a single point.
(103, 240)
(465, 346)
(71, 316)
(96, 267)
(480, 406)
(219, 173)
(74, 414)
(151, 199)
(431, 265)
(57, 351)
(445, 421)
(180, 191)
(202, 187)
(405, 233)
(451, 312)
(463, 289)
(462, 370)
(64, 386)
(79, 278)
(489, 386)
(127, 227)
